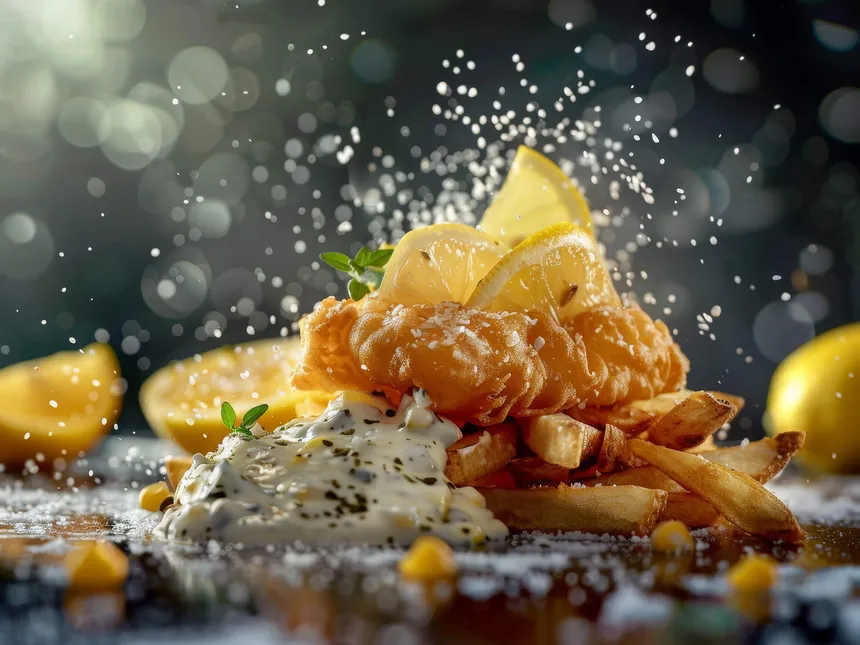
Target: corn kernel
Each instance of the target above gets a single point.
(176, 469)
(96, 564)
(428, 559)
(752, 574)
(671, 536)
(152, 496)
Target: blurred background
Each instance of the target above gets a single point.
(171, 169)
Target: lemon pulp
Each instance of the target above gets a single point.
(558, 271)
(182, 401)
(59, 405)
(438, 263)
(536, 194)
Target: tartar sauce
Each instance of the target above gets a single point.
(360, 473)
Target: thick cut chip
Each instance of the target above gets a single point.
(499, 479)
(536, 194)
(691, 421)
(626, 417)
(481, 453)
(706, 446)
(558, 271)
(636, 417)
(438, 263)
(617, 510)
(534, 471)
(613, 454)
(736, 496)
(762, 460)
(690, 509)
(559, 439)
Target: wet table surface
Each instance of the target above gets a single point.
(534, 589)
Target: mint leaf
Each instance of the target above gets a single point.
(244, 431)
(357, 290)
(362, 257)
(380, 258)
(337, 261)
(253, 414)
(228, 415)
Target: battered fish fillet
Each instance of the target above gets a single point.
(481, 367)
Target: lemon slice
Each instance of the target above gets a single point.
(182, 402)
(438, 263)
(536, 194)
(58, 406)
(557, 271)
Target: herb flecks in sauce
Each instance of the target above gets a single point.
(372, 482)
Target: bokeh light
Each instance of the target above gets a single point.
(197, 75)
(729, 71)
(839, 114)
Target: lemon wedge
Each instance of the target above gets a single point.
(438, 263)
(182, 402)
(536, 194)
(58, 406)
(558, 271)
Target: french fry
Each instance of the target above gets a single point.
(618, 510)
(691, 421)
(636, 417)
(690, 509)
(762, 460)
(706, 446)
(613, 453)
(736, 496)
(481, 453)
(560, 439)
(627, 418)
(176, 467)
(533, 471)
(499, 479)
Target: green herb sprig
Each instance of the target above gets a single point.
(366, 269)
(228, 418)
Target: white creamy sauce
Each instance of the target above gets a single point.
(361, 473)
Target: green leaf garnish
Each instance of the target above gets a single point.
(228, 415)
(380, 258)
(228, 418)
(337, 261)
(253, 414)
(362, 257)
(365, 269)
(357, 290)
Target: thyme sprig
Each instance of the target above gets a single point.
(228, 418)
(365, 269)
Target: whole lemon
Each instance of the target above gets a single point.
(817, 389)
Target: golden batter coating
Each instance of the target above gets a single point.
(481, 367)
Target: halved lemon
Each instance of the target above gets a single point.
(438, 263)
(558, 271)
(182, 402)
(536, 194)
(58, 406)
